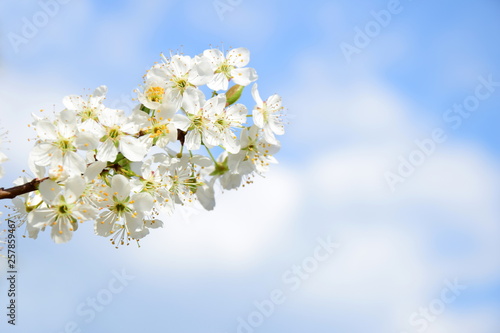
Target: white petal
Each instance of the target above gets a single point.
(50, 191)
(193, 140)
(40, 218)
(201, 73)
(143, 202)
(274, 103)
(61, 232)
(94, 170)
(112, 117)
(231, 143)
(193, 98)
(174, 96)
(138, 233)
(120, 186)
(215, 105)
(244, 76)
(3, 157)
(68, 118)
(180, 65)
(206, 196)
(166, 110)
(153, 224)
(269, 136)
(100, 91)
(104, 223)
(86, 141)
(230, 181)
(258, 117)
(107, 151)
(201, 160)
(73, 102)
(73, 163)
(46, 130)
(237, 113)
(276, 126)
(256, 95)
(219, 82)
(238, 57)
(181, 122)
(211, 138)
(41, 154)
(137, 121)
(85, 212)
(132, 148)
(74, 188)
(215, 57)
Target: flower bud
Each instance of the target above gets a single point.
(233, 94)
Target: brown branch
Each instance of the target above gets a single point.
(11, 193)
(181, 135)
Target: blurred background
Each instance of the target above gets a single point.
(391, 154)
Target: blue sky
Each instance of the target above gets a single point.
(350, 123)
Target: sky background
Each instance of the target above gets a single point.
(351, 121)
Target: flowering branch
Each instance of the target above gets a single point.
(94, 163)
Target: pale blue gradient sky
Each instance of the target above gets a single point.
(349, 123)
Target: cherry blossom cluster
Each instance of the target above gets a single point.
(124, 171)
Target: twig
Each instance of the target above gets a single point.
(13, 192)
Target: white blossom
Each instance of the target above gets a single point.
(59, 141)
(122, 213)
(267, 115)
(64, 210)
(229, 68)
(127, 170)
(182, 75)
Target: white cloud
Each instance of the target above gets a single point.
(394, 245)
(242, 230)
(330, 111)
(478, 320)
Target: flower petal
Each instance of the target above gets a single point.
(238, 57)
(120, 187)
(244, 76)
(132, 148)
(107, 151)
(50, 191)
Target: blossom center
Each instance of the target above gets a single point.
(158, 130)
(120, 208)
(155, 94)
(225, 69)
(88, 114)
(198, 121)
(65, 145)
(63, 209)
(114, 133)
(181, 83)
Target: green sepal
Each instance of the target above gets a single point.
(220, 168)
